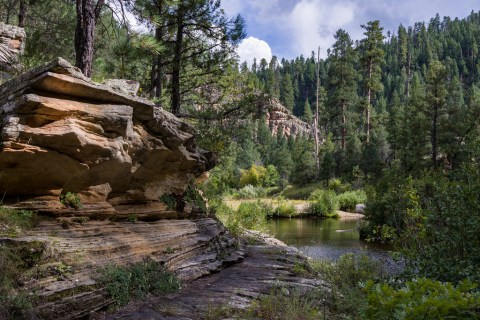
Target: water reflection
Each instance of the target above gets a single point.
(325, 238)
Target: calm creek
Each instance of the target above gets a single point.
(327, 238)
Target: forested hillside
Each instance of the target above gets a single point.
(419, 86)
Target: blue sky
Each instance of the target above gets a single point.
(288, 28)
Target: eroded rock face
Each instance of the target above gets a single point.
(12, 42)
(61, 132)
(279, 118)
(73, 254)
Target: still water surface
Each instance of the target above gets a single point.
(325, 238)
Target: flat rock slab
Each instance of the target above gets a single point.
(265, 267)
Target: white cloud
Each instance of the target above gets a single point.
(251, 48)
(314, 22)
(294, 27)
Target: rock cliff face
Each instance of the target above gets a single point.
(11, 45)
(279, 118)
(61, 133)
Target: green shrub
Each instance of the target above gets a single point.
(249, 215)
(71, 200)
(132, 217)
(347, 276)
(16, 263)
(284, 209)
(422, 299)
(324, 203)
(169, 200)
(259, 176)
(250, 192)
(14, 222)
(137, 281)
(271, 177)
(284, 304)
(301, 193)
(194, 198)
(252, 215)
(350, 270)
(252, 176)
(348, 200)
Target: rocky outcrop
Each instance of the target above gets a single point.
(269, 264)
(62, 133)
(70, 255)
(280, 118)
(12, 43)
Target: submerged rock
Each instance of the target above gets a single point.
(62, 133)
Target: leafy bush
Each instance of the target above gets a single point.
(284, 209)
(271, 177)
(259, 176)
(136, 281)
(14, 222)
(350, 270)
(194, 198)
(16, 262)
(324, 204)
(169, 200)
(252, 176)
(347, 276)
(301, 193)
(71, 200)
(422, 299)
(282, 304)
(252, 215)
(250, 192)
(249, 215)
(348, 200)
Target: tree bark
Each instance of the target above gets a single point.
(157, 68)
(344, 125)
(177, 64)
(87, 16)
(315, 122)
(369, 99)
(434, 136)
(22, 13)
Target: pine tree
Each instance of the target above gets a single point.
(286, 94)
(307, 113)
(372, 59)
(436, 100)
(342, 78)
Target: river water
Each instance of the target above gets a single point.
(327, 238)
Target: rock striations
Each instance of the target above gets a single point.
(61, 132)
(279, 118)
(12, 43)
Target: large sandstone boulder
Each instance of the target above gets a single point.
(61, 132)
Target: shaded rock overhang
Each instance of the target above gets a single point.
(61, 132)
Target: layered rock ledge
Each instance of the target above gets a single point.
(269, 264)
(60, 132)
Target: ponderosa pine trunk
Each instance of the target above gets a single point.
(157, 68)
(22, 13)
(344, 125)
(177, 65)
(88, 13)
(434, 136)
